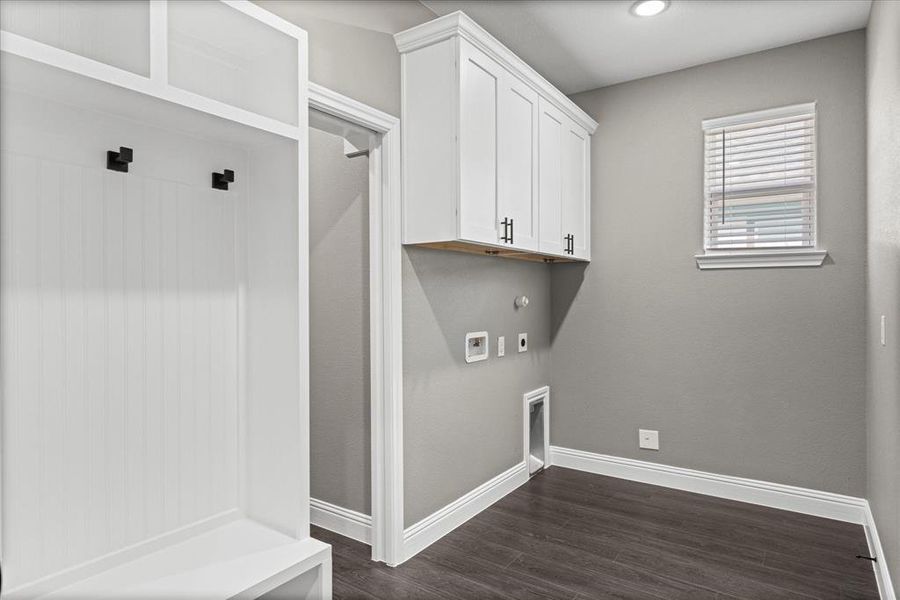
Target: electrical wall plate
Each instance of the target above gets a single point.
(476, 346)
(523, 342)
(648, 439)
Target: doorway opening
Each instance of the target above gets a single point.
(339, 330)
(356, 240)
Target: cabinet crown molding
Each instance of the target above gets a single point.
(460, 24)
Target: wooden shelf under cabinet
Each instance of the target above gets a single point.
(471, 248)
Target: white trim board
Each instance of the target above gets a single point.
(385, 315)
(438, 524)
(882, 576)
(349, 523)
(764, 493)
(760, 259)
(540, 395)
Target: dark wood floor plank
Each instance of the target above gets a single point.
(475, 547)
(446, 582)
(514, 585)
(709, 576)
(677, 509)
(848, 569)
(596, 558)
(569, 535)
(577, 580)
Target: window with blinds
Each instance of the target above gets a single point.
(760, 180)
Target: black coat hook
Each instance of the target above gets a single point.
(118, 161)
(220, 181)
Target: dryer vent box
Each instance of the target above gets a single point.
(476, 346)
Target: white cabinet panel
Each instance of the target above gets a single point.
(564, 160)
(576, 190)
(479, 100)
(551, 127)
(517, 174)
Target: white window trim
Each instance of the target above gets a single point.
(756, 259)
(763, 257)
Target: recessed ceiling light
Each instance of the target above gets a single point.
(649, 8)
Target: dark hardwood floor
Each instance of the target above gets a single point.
(570, 535)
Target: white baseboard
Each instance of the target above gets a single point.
(349, 523)
(775, 495)
(438, 524)
(882, 576)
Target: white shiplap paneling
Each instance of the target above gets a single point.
(119, 360)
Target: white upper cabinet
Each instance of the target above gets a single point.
(479, 97)
(517, 177)
(551, 126)
(563, 166)
(495, 159)
(576, 201)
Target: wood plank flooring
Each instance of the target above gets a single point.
(569, 535)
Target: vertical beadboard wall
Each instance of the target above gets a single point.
(118, 349)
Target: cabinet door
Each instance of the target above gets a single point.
(479, 101)
(517, 177)
(576, 206)
(551, 124)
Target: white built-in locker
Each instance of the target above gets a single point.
(153, 329)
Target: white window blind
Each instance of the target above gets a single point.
(760, 180)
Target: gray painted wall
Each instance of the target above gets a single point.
(884, 275)
(339, 324)
(754, 372)
(357, 61)
(462, 422)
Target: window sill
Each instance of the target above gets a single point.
(760, 259)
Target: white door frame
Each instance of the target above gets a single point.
(385, 314)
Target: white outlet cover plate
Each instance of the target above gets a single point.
(501, 346)
(477, 346)
(648, 439)
(523, 342)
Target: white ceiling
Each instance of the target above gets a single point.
(582, 45)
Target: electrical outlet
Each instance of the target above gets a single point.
(882, 331)
(501, 346)
(648, 439)
(523, 342)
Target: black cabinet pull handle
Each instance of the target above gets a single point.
(511, 231)
(570, 244)
(507, 230)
